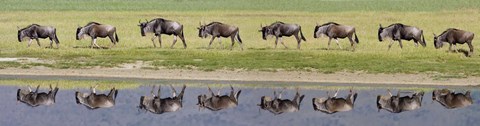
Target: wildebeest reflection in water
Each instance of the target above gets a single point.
(333, 104)
(93, 100)
(450, 100)
(397, 104)
(278, 105)
(216, 102)
(34, 98)
(158, 105)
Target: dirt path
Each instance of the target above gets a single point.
(360, 78)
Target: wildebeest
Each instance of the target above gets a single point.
(454, 36)
(335, 31)
(35, 31)
(93, 100)
(397, 104)
(277, 105)
(280, 29)
(216, 102)
(160, 26)
(217, 30)
(158, 105)
(34, 98)
(399, 31)
(94, 30)
(333, 104)
(451, 100)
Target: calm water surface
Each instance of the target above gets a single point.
(66, 112)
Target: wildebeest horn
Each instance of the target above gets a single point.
(380, 25)
(146, 20)
(139, 21)
(18, 28)
(434, 35)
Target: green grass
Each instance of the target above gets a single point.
(433, 16)
(236, 5)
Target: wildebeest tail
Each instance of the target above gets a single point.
(423, 39)
(356, 38)
(55, 35)
(53, 94)
(301, 34)
(182, 92)
(116, 37)
(238, 36)
(300, 101)
(182, 32)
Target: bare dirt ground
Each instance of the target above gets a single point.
(226, 75)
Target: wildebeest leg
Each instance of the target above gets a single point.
(174, 92)
(471, 48)
(160, 40)
(220, 42)
(93, 89)
(450, 47)
(329, 40)
(91, 44)
(95, 43)
(38, 42)
(400, 43)
(210, 44)
(29, 88)
(352, 43)
(112, 39)
(183, 41)
(153, 41)
(281, 41)
(174, 41)
(298, 41)
(29, 43)
(276, 42)
(51, 43)
(336, 40)
(335, 95)
(233, 42)
(158, 91)
(455, 48)
(389, 93)
(390, 45)
(416, 43)
(151, 91)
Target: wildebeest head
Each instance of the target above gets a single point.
(437, 42)
(380, 30)
(322, 29)
(21, 94)
(264, 102)
(20, 35)
(142, 26)
(79, 33)
(315, 31)
(266, 30)
(202, 31)
(201, 100)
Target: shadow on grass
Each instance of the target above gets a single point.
(88, 47)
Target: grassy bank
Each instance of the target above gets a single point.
(371, 56)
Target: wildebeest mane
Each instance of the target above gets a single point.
(211, 23)
(449, 29)
(328, 23)
(90, 23)
(29, 26)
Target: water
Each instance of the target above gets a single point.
(125, 113)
